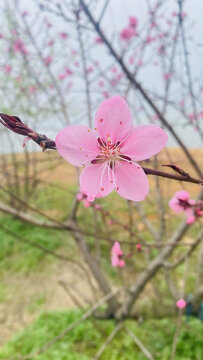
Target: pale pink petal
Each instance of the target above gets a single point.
(175, 206)
(144, 141)
(189, 211)
(77, 144)
(182, 195)
(191, 219)
(121, 263)
(79, 196)
(131, 181)
(113, 119)
(191, 202)
(94, 181)
(86, 203)
(116, 249)
(114, 260)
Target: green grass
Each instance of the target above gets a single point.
(16, 256)
(85, 340)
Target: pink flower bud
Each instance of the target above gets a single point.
(181, 304)
(139, 247)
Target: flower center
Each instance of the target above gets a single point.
(110, 153)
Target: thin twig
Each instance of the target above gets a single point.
(139, 344)
(108, 340)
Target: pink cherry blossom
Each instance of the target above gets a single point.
(8, 68)
(139, 247)
(62, 76)
(181, 202)
(116, 255)
(131, 60)
(109, 153)
(101, 83)
(63, 35)
(106, 94)
(127, 33)
(167, 76)
(19, 47)
(32, 89)
(48, 60)
(133, 21)
(68, 71)
(98, 40)
(110, 222)
(25, 13)
(149, 39)
(51, 42)
(181, 304)
(1, 36)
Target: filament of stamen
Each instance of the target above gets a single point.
(102, 175)
(129, 161)
(114, 181)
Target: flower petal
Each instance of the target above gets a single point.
(131, 181)
(175, 206)
(113, 119)
(77, 144)
(95, 182)
(144, 141)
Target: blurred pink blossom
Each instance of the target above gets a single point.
(106, 94)
(127, 33)
(101, 83)
(139, 247)
(32, 89)
(181, 202)
(86, 203)
(48, 60)
(131, 60)
(8, 68)
(25, 13)
(63, 35)
(50, 42)
(19, 47)
(133, 21)
(149, 39)
(98, 40)
(116, 256)
(110, 222)
(181, 304)
(79, 196)
(167, 76)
